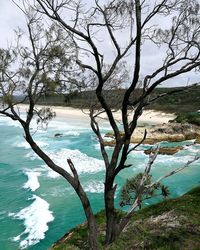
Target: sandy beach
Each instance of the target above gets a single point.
(147, 117)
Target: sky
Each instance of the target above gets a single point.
(11, 18)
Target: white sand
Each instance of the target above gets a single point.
(147, 117)
(156, 117)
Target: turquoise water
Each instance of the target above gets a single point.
(37, 206)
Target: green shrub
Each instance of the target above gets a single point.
(190, 117)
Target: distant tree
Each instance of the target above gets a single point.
(73, 48)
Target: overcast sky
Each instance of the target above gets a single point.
(11, 18)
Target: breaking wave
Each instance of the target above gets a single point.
(36, 217)
(33, 182)
(94, 187)
(25, 144)
(82, 162)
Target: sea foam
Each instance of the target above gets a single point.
(173, 159)
(72, 133)
(25, 144)
(65, 125)
(7, 121)
(32, 182)
(82, 162)
(94, 187)
(36, 217)
(32, 155)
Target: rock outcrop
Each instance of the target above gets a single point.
(164, 150)
(58, 135)
(171, 132)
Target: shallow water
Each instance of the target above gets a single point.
(37, 206)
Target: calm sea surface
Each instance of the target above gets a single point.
(37, 206)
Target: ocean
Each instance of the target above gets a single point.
(37, 206)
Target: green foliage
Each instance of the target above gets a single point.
(185, 101)
(6, 58)
(182, 102)
(25, 72)
(44, 115)
(7, 99)
(49, 83)
(133, 189)
(190, 117)
(70, 96)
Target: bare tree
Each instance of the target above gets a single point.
(140, 22)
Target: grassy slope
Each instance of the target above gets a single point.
(172, 224)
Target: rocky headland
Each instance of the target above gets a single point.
(171, 132)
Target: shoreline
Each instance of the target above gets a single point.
(150, 117)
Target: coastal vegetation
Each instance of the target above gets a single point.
(183, 100)
(189, 117)
(171, 224)
(55, 61)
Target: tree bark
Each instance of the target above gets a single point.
(111, 218)
(90, 217)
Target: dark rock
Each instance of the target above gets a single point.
(58, 135)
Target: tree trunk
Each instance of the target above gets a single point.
(111, 218)
(90, 217)
(92, 230)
